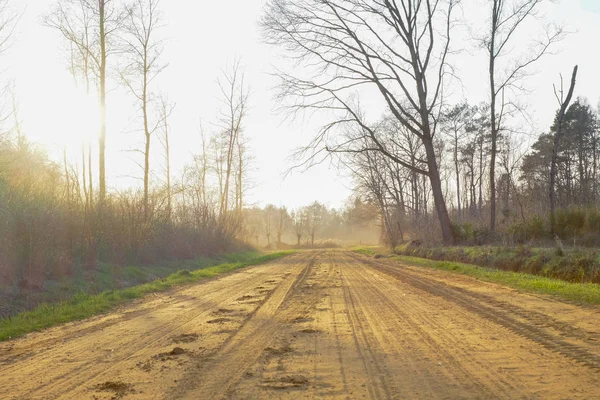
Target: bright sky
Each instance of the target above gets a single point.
(206, 36)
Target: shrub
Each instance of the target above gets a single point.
(533, 265)
(463, 233)
(570, 223)
(592, 225)
(535, 228)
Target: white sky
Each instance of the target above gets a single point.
(204, 37)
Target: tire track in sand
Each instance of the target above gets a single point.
(492, 310)
(214, 379)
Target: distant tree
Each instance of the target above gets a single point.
(283, 222)
(315, 219)
(298, 224)
(455, 125)
(474, 154)
(269, 221)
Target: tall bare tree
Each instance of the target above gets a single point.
(234, 96)
(400, 49)
(164, 109)
(507, 70)
(89, 27)
(564, 104)
(142, 50)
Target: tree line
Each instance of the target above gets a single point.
(315, 225)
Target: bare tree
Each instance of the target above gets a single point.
(269, 220)
(165, 109)
(315, 215)
(89, 28)
(506, 73)
(9, 17)
(298, 222)
(382, 182)
(243, 164)
(398, 48)
(564, 104)
(142, 50)
(235, 97)
(203, 161)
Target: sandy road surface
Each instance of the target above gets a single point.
(326, 324)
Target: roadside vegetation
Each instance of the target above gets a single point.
(572, 265)
(84, 305)
(586, 292)
(107, 277)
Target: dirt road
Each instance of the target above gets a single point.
(328, 324)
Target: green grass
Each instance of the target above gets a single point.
(84, 305)
(108, 277)
(367, 251)
(585, 293)
(575, 265)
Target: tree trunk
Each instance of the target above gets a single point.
(493, 186)
(84, 178)
(90, 182)
(433, 171)
(494, 140)
(168, 159)
(102, 147)
(147, 144)
(457, 171)
(438, 195)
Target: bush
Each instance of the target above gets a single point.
(593, 222)
(532, 229)
(570, 223)
(534, 265)
(468, 234)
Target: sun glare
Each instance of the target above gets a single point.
(80, 118)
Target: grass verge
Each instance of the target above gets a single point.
(583, 293)
(587, 293)
(366, 251)
(568, 264)
(84, 305)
